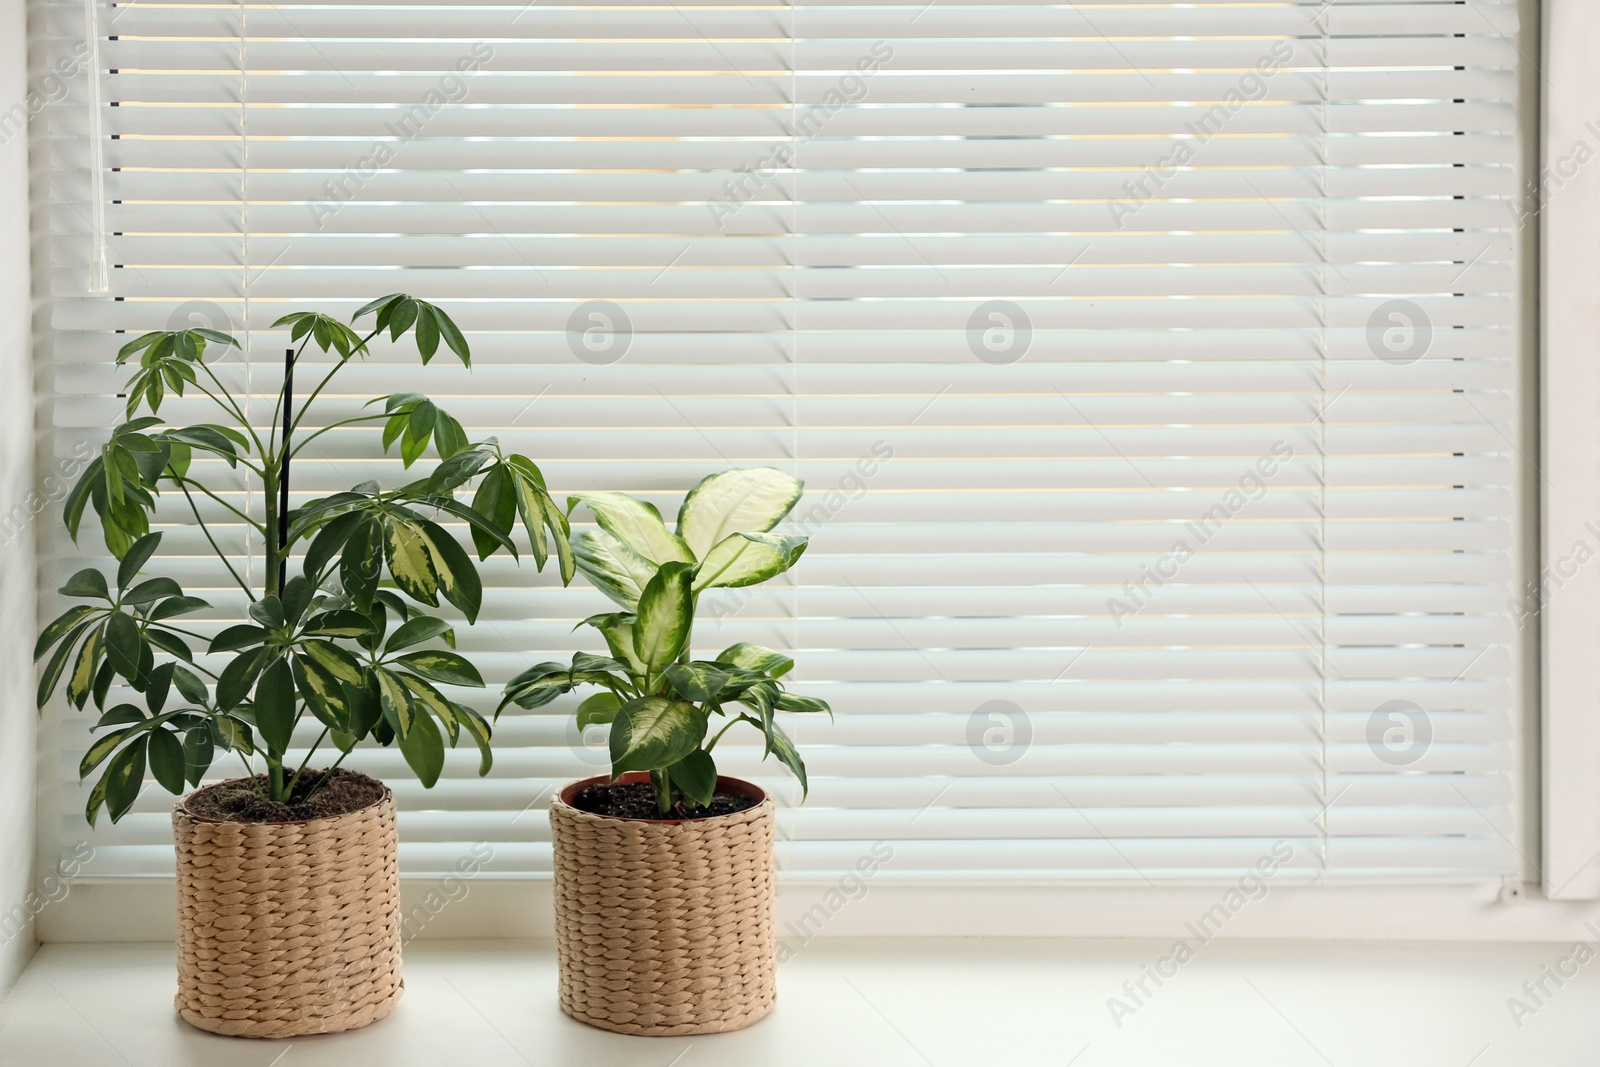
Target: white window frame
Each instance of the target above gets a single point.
(1560, 894)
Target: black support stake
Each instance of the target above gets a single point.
(283, 483)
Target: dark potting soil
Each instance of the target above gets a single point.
(241, 801)
(637, 800)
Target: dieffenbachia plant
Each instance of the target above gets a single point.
(335, 642)
(660, 702)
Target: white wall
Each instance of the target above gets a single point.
(17, 526)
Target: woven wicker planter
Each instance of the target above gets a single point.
(665, 927)
(287, 929)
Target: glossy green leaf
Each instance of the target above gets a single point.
(696, 776)
(238, 676)
(636, 524)
(275, 706)
(60, 627)
(57, 665)
(137, 556)
(441, 666)
(600, 708)
(479, 731)
(165, 753)
(395, 699)
(747, 559)
(654, 732)
(755, 658)
(322, 691)
(495, 500)
(611, 566)
(123, 644)
(423, 628)
(458, 575)
(423, 748)
(244, 635)
(699, 682)
(172, 607)
(123, 778)
(189, 685)
(741, 500)
(361, 565)
(410, 562)
(665, 616)
(199, 751)
(335, 660)
(87, 582)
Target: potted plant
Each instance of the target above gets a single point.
(663, 868)
(288, 891)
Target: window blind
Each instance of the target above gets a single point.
(1151, 368)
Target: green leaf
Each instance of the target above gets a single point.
(599, 708)
(452, 336)
(341, 623)
(638, 525)
(335, 660)
(795, 702)
(699, 682)
(238, 676)
(328, 541)
(268, 611)
(741, 500)
(104, 746)
(612, 567)
(361, 566)
(441, 666)
(479, 730)
(87, 582)
(72, 510)
(423, 749)
(324, 694)
(496, 501)
(59, 628)
(665, 615)
(410, 562)
(755, 658)
(138, 554)
(296, 597)
(653, 732)
(123, 778)
(537, 686)
(425, 698)
(199, 751)
(366, 708)
(57, 666)
(189, 685)
(427, 336)
(233, 735)
(787, 754)
(458, 576)
(395, 699)
(275, 707)
(97, 800)
(147, 592)
(456, 471)
(696, 776)
(170, 644)
(175, 606)
(165, 753)
(420, 629)
(123, 644)
(747, 559)
(157, 684)
(233, 638)
(120, 715)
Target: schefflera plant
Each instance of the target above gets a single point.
(660, 702)
(334, 642)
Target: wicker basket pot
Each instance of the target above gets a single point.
(665, 927)
(287, 929)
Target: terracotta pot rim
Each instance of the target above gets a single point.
(725, 784)
(183, 807)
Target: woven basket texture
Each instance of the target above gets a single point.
(665, 928)
(288, 929)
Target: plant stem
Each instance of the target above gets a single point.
(275, 779)
(207, 531)
(309, 753)
(283, 470)
(662, 783)
(320, 782)
(720, 732)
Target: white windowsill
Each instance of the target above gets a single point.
(918, 1003)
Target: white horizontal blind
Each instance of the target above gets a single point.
(1151, 368)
